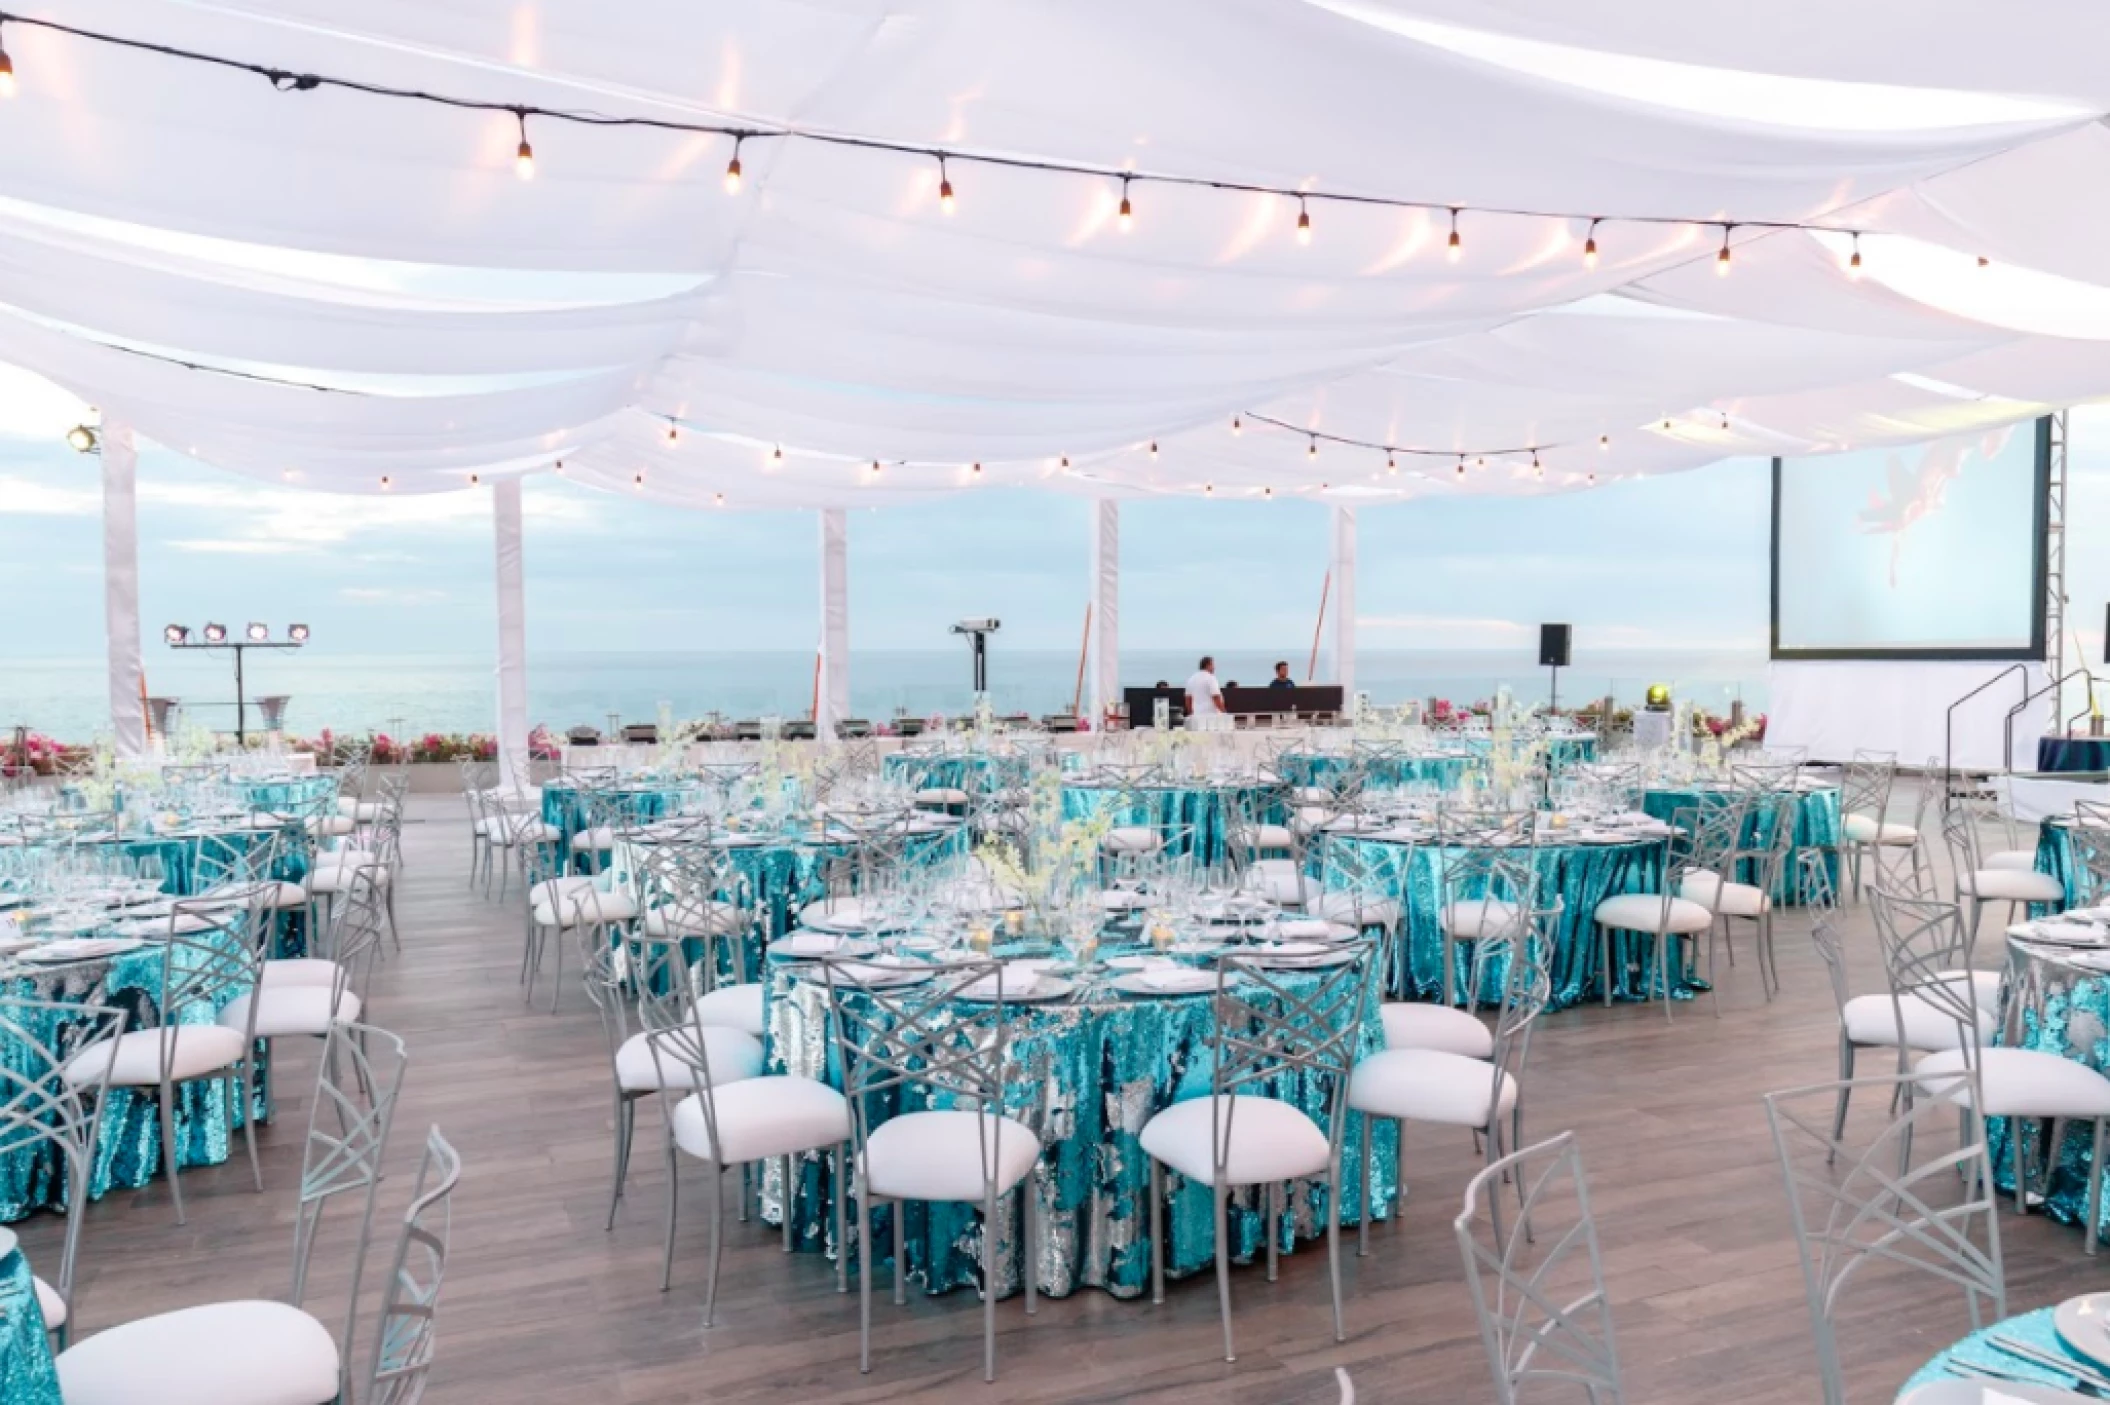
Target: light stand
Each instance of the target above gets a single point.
(978, 632)
(214, 636)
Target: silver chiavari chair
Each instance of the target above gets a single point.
(2089, 835)
(311, 996)
(1274, 1029)
(1977, 882)
(939, 1040)
(403, 1337)
(1916, 1194)
(1267, 854)
(1702, 838)
(1487, 885)
(348, 1128)
(45, 1113)
(479, 778)
(212, 956)
(692, 894)
(1761, 855)
(1543, 1311)
(1864, 809)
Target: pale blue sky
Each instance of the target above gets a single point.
(1678, 561)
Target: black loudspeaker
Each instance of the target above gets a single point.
(1553, 645)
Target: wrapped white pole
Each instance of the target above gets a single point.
(1106, 609)
(1343, 562)
(833, 704)
(128, 726)
(512, 630)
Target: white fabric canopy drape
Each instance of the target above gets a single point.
(512, 631)
(1105, 664)
(833, 694)
(120, 461)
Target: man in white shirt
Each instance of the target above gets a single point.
(1204, 697)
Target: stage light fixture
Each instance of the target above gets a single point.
(175, 634)
(215, 633)
(298, 633)
(258, 631)
(83, 438)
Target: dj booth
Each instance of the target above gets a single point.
(1315, 701)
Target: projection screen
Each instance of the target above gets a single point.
(1933, 551)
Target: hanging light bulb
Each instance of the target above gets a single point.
(776, 455)
(875, 468)
(1153, 451)
(732, 169)
(637, 480)
(1312, 450)
(1128, 214)
(1590, 247)
(1391, 463)
(1456, 250)
(1461, 465)
(718, 499)
(1853, 265)
(7, 74)
(976, 470)
(1480, 462)
(1592, 479)
(1065, 463)
(1721, 260)
(1725, 419)
(945, 201)
(1303, 222)
(1604, 441)
(1208, 490)
(1236, 427)
(386, 483)
(475, 479)
(673, 433)
(524, 158)
(1536, 471)
(1983, 261)
(1267, 492)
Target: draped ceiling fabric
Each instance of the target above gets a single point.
(371, 300)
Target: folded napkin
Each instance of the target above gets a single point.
(1016, 978)
(1178, 978)
(884, 966)
(1305, 927)
(812, 943)
(1291, 949)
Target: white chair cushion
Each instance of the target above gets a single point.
(1337, 905)
(763, 1117)
(1277, 880)
(1263, 1139)
(944, 1155)
(733, 1007)
(244, 1353)
(551, 888)
(331, 826)
(836, 910)
(1474, 918)
(300, 970)
(1430, 1085)
(1865, 829)
(734, 1055)
(266, 896)
(2012, 885)
(584, 908)
(290, 1009)
(714, 919)
(2025, 1083)
(1643, 912)
(1414, 1025)
(50, 1304)
(1312, 795)
(329, 877)
(1132, 839)
(1271, 836)
(2024, 859)
(941, 795)
(135, 1059)
(589, 840)
(1871, 1019)
(519, 829)
(1736, 899)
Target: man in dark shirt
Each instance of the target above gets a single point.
(1282, 678)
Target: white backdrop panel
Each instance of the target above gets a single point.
(1837, 707)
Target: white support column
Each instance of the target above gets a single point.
(512, 628)
(128, 726)
(833, 701)
(1343, 562)
(1105, 667)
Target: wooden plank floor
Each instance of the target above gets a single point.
(543, 1306)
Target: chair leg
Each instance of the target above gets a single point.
(842, 1237)
(1604, 951)
(1157, 1231)
(1663, 943)
(241, 1104)
(1714, 987)
(2017, 1128)
(989, 1285)
(1333, 1246)
(167, 1097)
(710, 1289)
(625, 1126)
(666, 1268)
(2095, 1190)
(1222, 1195)
(788, 1199)
(899, 1213)
(1846, 1073)
(1362, 1219)
(1449, 981)
(864, 1278)
(1030, 1193)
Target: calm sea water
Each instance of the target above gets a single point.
(417, 693)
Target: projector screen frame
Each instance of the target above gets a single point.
(2040, 564)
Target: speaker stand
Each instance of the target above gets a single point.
(1554, 706)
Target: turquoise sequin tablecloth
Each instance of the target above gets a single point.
(2053, 1004)
(1321, 768)
(2033, 1328)
(28, 1373)
(1582, 875)
(564, 806)
(1817, 821)
(1199, 806)
(2055, 856)
(1091, 1074)
(280, 793)
(971, 771)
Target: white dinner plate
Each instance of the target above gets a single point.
(89, 949)
(1290, 956)
(1139, 961)
(7, 1242)
(1988, 1393)
(812, 946)
(1044, 988)
(1189, 981)
(2083, 1323)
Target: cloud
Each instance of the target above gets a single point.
(393, 595)
(29, 498)
(235, 546)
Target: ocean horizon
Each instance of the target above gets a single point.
(413, 693)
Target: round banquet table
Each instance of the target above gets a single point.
(2055, 1000)
(1561, 751)
(1092, 1071)
(1582, 875)
(1198, 805)
(970, 771)
(643, 800)
(2055, 856)
(28, 1373)
(128, 1153)
(785, 871)
(2065, 755)
(2034, 1328)
(1816, 827)
(1319, 768)
(286, 792)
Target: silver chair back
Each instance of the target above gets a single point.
(403, 1341)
